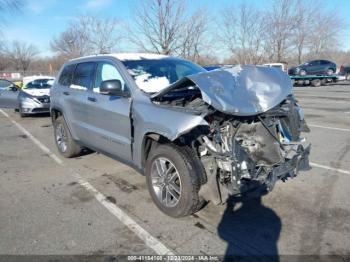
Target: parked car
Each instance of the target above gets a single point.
(282, 66)
(35, 96)
(197, 135)
(8, 94)
(315, 67)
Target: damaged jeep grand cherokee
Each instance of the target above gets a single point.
(197, 136)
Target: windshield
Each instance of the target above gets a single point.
(39, 84)
(154, 75)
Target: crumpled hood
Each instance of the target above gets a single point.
(239, 90)
(37, 91)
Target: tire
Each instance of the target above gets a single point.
(330, 71)
(302, 72)
(64, 140)
(316, 82)
(186, 175)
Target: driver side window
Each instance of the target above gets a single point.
(106, 71)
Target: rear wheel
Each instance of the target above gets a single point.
(64, 140)
(316, 82)
(173, 177)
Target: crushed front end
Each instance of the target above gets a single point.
(253, 132)
(243, 153)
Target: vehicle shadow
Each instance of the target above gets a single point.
(250, 229)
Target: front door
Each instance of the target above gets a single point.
(8, 94)
(109, 116)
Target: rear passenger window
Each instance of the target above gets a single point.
(66, 75)
(83, 76)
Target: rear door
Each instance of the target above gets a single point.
(313, 67)
(73, 93)
(109, 116)
(8, 94)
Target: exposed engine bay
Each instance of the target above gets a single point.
(242, 152)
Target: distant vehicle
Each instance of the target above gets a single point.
(8, 94)
(35, 96)
(345, 71)
(28, 79)
(281, 66)
(314, 67)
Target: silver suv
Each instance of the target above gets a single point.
(197, 136)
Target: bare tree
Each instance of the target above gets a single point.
(242, 33)
(326, 29)
(102, 33)
(7, 6)
(193, 35)
(302, 28)
(280, 24)
(88, 35)
(21, 54)
(71, 43)
(158, 25)
(10, 5)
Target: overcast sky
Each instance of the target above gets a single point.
(40, 20)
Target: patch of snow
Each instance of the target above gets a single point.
(125, 56)
(151, 85)
(77, 87)
(138, 56)
(234, 70)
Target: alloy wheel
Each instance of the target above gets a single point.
(166, 182)
(61, 137)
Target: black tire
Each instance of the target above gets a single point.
(316, 82)
(72, 149)
(191, 175)
(20, 110)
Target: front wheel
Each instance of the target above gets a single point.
(21, 113)
(302, 72)
(173, 177)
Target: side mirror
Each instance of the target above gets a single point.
(14, 88)
(113, 87)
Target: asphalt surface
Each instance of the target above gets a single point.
(44, 210)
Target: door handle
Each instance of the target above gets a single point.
(92, 99)
(66, 93)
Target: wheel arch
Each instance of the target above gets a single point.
(149, 141)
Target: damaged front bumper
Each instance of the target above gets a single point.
(240, 155)
(218, 192)
(296, 160)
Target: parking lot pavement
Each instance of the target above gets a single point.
(47, 211)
